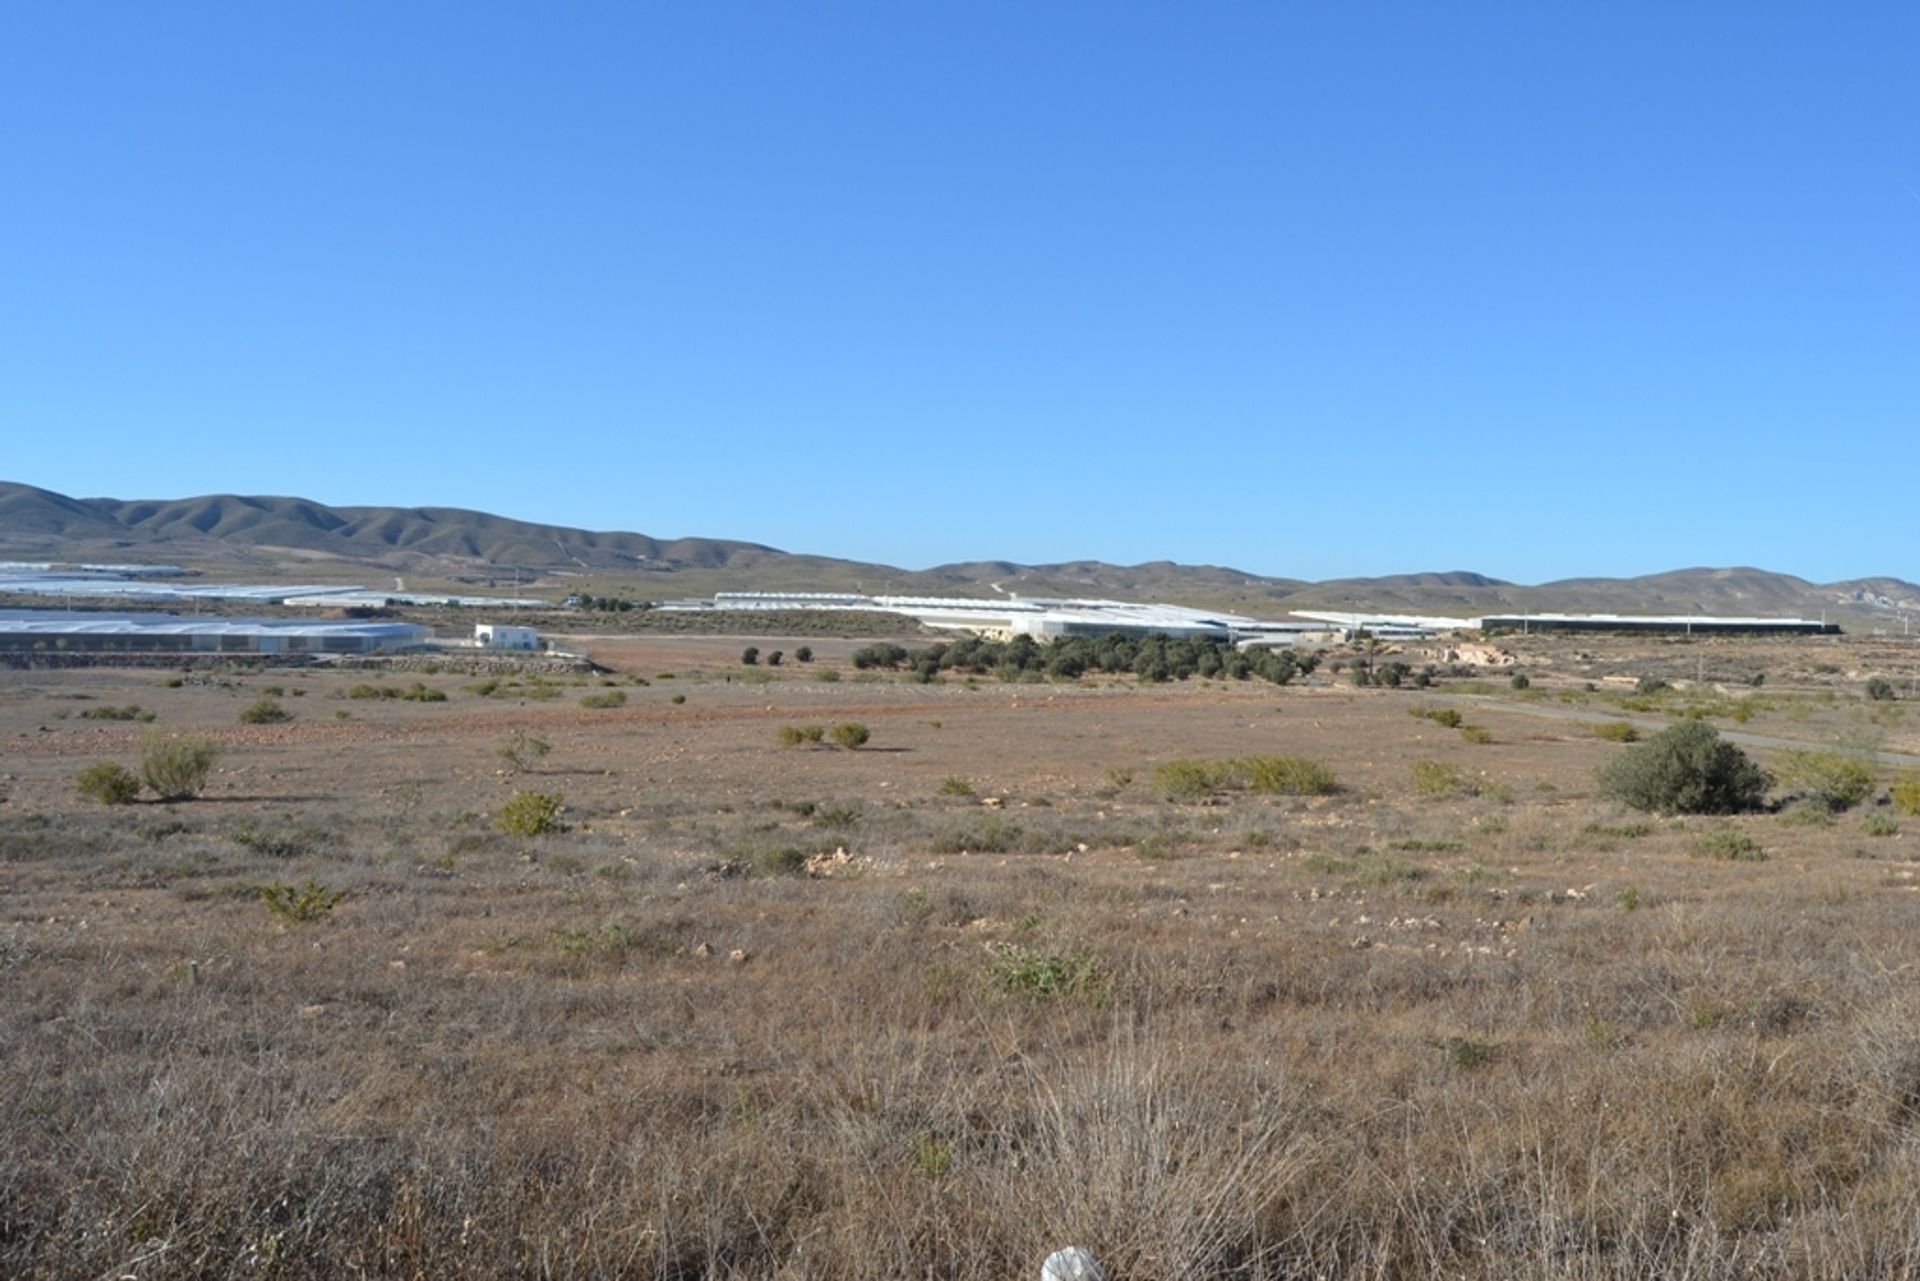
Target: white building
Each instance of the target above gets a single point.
(501, 636)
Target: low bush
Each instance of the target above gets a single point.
(1906, 793)
(1476, 734)
(1688, 769)
(953, 785)
(1833, 779)
(264, 711)
(1040, 975)
(1286, 776)
(1730, 845)
(1446, 716)
(300, 904)
(799, 735)
(177, 767)
(1878, 824)
(131, 712)
(1437, 778)
(606, 699)
(523, 751)
(1617, 732)
(108, 783)
(850, 735)
(1881, 690)
(531, 814)
(780, 860)
(1366, 867)
(1187, 780)
(1194, 780)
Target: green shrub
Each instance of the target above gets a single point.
(1878, 824)
(780, 860)
(530, 814)
(955, 786)
(1446, 716)
(300, 904)
(1193, 780)
(131, 712)
(372, 691)
(1808, 813)
(1687, 769)
(264, 711)
(850, 735)
(606, 699)
(678, 699)
(1833, 779)
(1520, 681)
(523, 751)
(1437, 778)
(1881, 690)
(798, 735)
(803, 655)
(1906, 793)
(1042, 976)
(750, 656)
(1731, 845)
(420, 693)
(108, 783)
(827, 675)
(1189, 780)
(176, 768)
(1617, 732)
(1286, 775)
(1475, 734)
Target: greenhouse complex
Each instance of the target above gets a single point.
(39, 631)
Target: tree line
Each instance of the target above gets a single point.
(1153, 658)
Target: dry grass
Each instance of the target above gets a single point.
(1371, 1034)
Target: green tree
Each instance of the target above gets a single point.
(1688, 769)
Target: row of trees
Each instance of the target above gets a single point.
(609, 604)
(750, 656)
(1152, 658)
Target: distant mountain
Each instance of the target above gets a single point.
(306, 540)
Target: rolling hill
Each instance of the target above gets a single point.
(309, 540)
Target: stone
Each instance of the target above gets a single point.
(1072, 1264)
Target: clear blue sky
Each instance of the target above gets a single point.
(1310, 289)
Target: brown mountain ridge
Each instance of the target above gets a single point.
(307, 539)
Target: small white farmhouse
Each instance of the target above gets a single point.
(500, 636)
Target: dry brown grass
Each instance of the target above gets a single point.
(1518, 1034)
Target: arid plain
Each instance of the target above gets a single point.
(997, 981)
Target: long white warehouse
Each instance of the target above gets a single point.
(60, 632)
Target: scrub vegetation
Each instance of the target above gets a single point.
(1225, 980)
